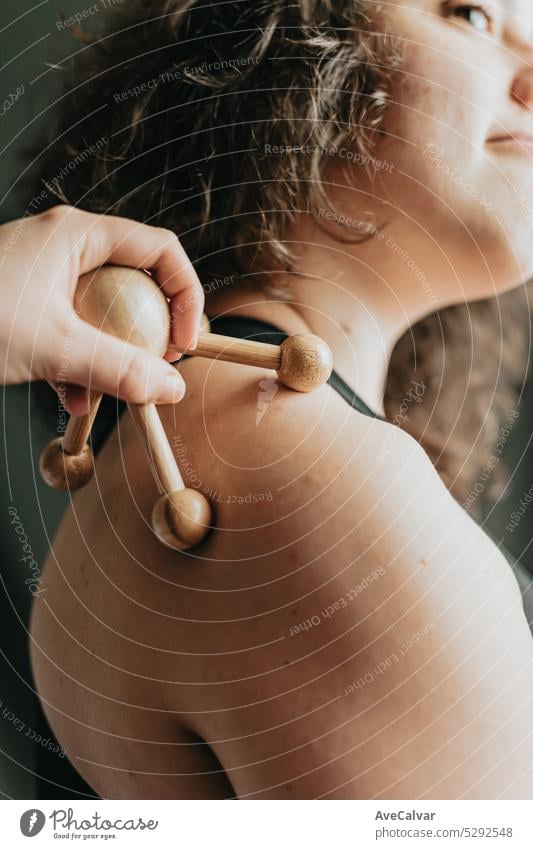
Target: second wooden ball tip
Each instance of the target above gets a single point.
(306, 362)
(64, 471)
(182, 519)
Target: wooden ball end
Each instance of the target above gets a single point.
(126, 303)
(306, 362)
(65, 471)
(182, 519)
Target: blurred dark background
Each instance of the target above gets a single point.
(32, 41)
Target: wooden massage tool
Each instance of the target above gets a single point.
(128, 303)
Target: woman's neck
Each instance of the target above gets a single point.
(360, 349)
(344, 293)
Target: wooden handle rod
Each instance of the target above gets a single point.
(79, 427)
(156, 445)
(234, 350)
(181, 517)
(67, 462)
(303, 361)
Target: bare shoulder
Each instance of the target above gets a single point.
(243, 438)
(306, 472)
(243, 427)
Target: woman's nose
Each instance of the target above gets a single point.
(522, 87)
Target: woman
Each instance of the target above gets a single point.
(347, 630)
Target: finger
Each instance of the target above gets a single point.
(123, 241)
(173, 356)
(186, 310)
(76, 399)
(105, 364)
(72, 398)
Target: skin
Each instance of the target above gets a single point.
(41, 259)
(190, 675)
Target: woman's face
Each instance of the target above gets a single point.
(465, 82)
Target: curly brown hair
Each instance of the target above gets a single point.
(166, 119)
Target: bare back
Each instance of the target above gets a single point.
(346, 630)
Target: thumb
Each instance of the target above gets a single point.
(106, 364)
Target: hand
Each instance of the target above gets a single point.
(41, 259)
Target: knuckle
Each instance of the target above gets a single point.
(198, 290)
(58, 212)
(199, 300)
(169, 236)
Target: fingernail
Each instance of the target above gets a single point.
(173, 392)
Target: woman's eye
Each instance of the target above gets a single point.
(474, 15)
